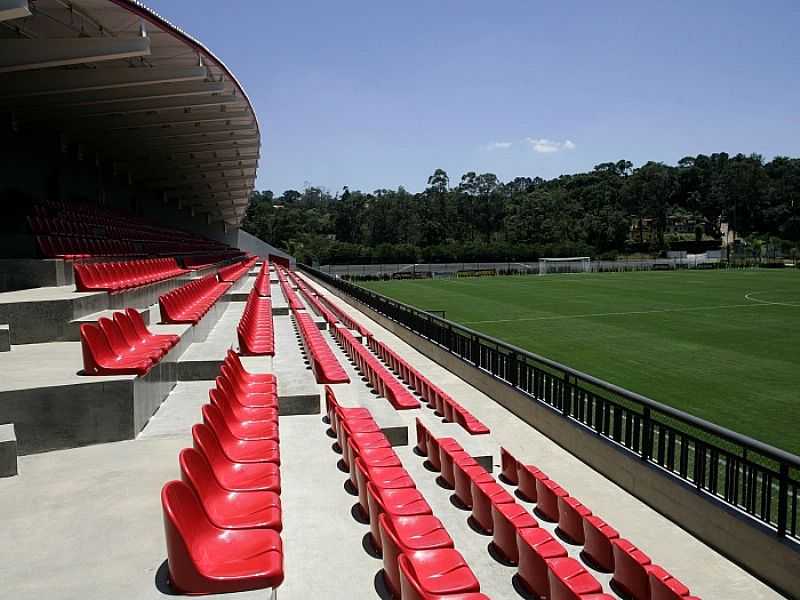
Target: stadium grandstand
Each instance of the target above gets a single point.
(184, 410)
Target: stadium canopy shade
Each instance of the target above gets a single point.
(128, 87)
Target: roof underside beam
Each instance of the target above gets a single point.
(74, 81)
(14, 9)
(27, 54)
(210, 175)
(229, 184)
(124, 107)
(137, 121)
(109, 98)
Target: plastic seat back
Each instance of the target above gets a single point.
(95, 347)
(196, 472)
(185, 526)
(205, 442)
(219, 427)
(114, 335)
(125, 325)
(138, 322)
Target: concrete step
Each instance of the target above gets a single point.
(8, 450)
(5, 338)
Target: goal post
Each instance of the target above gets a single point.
(573, 264)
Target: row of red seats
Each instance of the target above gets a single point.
(234, 272)
(339, 314)
(324, 363)
(262, 283)
(348, 321)
(190, 302)
(633, 570)
(222, 519)
(437, 399)
(420, 561)
(291, 298)
(516, 534)
(379, 377)
(255, 330)
(124, 275)
(73, 248)
(65, 218)
(313, 301)
(122, 345)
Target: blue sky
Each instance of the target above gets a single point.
(379, 94)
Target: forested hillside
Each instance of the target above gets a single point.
(604, 212)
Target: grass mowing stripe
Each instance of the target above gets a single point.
(668, 335)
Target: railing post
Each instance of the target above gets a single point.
(647, 434)
(513, 375)
(783, 499)
(476, 351)
(566, 396)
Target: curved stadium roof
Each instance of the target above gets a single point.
(115, 77)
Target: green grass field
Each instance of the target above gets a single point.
(723, 345)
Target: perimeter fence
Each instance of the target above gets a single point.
(742, 473)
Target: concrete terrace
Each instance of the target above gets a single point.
(86, 522)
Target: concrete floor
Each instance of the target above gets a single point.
(86, 523)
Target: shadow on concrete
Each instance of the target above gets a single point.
(380, 586)
(350, 488)
(456, 501)
(161, 580)
(592, 564)
(522, 589)
(473, 524)
(495, 553)
(370, 547)
(358, 514)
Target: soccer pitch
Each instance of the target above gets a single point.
(722, 345)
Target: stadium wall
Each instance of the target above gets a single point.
(755, 547)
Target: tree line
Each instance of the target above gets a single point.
(613, 209)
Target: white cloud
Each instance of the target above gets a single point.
(499, 146)
(545, 146)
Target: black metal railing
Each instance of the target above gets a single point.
(750, 476)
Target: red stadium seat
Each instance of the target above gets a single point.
(255, 329)
(403, 535)
(233, 361)
(631, 569)
(226, 509)
(536, 547)
(100, 359)
(324, 363)
(382, 478)
(205, 559)
(238, 450)
(548, 492)
(379, 377)
(448, 455)
(190, 302)
(233, 410)
(570, 581)
(598, 536)
(508, 519)
(243, 430)
(571, 514)
(431, 574)
(124, 275)
(405, 502)
(235, 476)
(484, 496)
(527, 476)
(508, 466)
(464, 474)
(134, 337)
(422, 437)
(664, 586)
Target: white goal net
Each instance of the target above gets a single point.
(574, 264)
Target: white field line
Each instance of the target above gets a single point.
(633, 312)
(751, 296)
